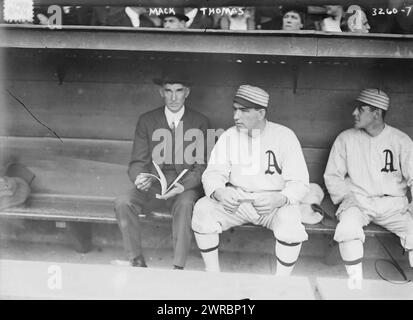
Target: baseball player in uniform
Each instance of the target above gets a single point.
(256, 174)
(368, 171)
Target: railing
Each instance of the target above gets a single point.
(263, 43)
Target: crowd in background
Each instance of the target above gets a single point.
(329, 18)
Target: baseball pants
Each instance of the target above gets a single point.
(389, 212)
(285, 222)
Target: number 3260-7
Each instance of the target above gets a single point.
(388, 11)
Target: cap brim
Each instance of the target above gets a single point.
(248, 104)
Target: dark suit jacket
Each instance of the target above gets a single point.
(143, 145)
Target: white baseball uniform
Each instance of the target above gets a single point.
(267, 162)
(376, 171)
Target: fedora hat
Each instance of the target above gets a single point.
(175, 75)
(177, 12)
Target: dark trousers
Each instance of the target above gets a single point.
(129, 207)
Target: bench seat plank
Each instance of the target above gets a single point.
(101, 210)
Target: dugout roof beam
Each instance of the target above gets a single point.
(264, 43)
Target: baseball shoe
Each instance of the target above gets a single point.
(139, 261)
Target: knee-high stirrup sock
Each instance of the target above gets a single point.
(287, 255)
(352, 255)
(208, 245)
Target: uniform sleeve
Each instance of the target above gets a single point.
(218, 170)
(294, 171)
(336, 171)
(140, 159)
(406, 160)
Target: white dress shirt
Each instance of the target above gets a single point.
(174, 117)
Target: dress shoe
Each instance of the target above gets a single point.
(138, 261)
(178, 268)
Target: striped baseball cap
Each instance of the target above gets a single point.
(252, 97)
(375, 98)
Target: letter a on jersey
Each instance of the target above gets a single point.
(272, 162)
(388, 162)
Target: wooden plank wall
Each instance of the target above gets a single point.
(93, 167)
(102, 98)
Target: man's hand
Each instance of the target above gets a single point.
(177, 189)
(143, 182)
(228, 197)
(247, 210)
(139, 10)
(410, 208)
(266, 204)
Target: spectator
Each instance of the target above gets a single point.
(314, 17)
(121, 17)
(334, 20)
(241, 19)
(403, 20)
(138, 17)
(198, 20)
(176, 19)
(268, 18)
(293, 20)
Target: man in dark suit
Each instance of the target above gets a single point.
(162, 136)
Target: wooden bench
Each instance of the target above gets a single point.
(77, 180)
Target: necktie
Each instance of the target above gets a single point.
(173, 140)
